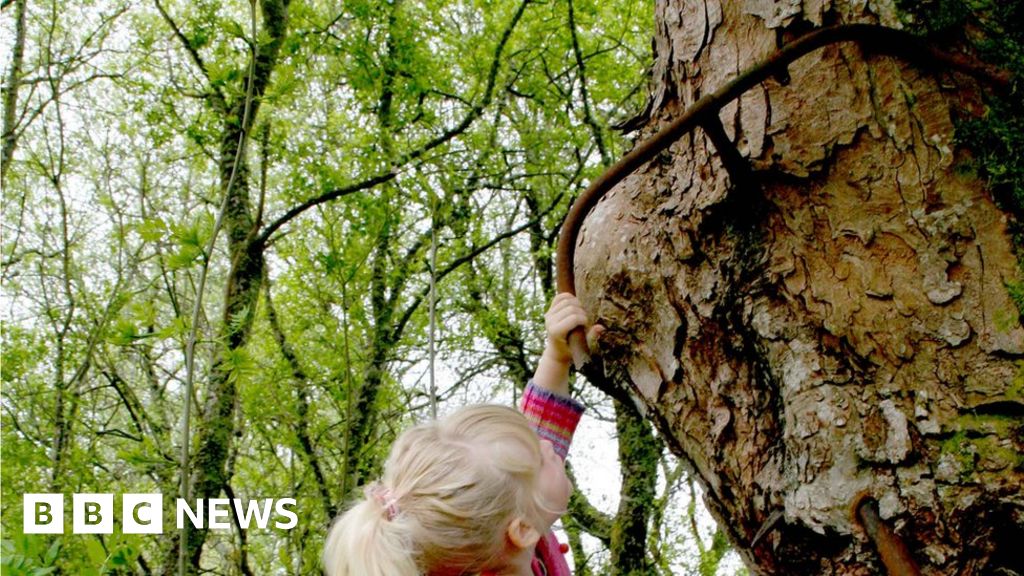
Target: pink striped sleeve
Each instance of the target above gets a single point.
(553, 416)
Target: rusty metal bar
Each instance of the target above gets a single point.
(876, 38)
(741, 174)
(890, 548)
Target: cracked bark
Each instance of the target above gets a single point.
(843, 327)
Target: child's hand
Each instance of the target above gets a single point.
(565, 314)
(562, 317)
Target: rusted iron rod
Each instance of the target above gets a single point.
(894, 554)
(876, 38)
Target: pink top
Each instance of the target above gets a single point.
(554, 417)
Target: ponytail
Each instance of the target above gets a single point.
(449, 491)
(363, 542)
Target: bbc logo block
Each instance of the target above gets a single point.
(144, 513)
(44, 514)
(93, 513)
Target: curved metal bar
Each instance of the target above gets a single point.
(891, 549)
(878, 38)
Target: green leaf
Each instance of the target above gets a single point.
(51, 554)
(176, 327)
(186, 255)
(152, 229)
(233, 28)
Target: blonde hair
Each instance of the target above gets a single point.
(451, 487)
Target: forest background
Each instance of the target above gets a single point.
(277, 234)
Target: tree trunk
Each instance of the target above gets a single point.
(843, 328)
(216, 427)
(10, 97)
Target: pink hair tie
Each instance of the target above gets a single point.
(388, 501)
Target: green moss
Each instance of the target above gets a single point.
(1016, 389)
(996, 424)
(980, 443)
(962, 451)
(994, 455)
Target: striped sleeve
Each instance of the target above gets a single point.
(553, 416)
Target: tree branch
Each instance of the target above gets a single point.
(264, 236)
(219, 101)
(588, 116)
(448, 135)
(590, 519)
(13, 81)
(455, 264)
(301, 381)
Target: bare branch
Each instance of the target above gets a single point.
(264, 236)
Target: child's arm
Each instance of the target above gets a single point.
(562, 317)
(546, 402)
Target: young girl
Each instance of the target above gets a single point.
(475, 492)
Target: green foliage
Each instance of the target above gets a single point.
(1016, 291)
(712, 558)
(110, 208)
(190, 239)
(23, 350)
(998, 141)
(29, 555)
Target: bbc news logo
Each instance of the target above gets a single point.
(143, 513)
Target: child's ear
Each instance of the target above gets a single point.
(522, 534)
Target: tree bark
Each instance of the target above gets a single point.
(843, 326)
(11, 84)
(216, 429)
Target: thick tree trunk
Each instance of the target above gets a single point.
(845, 328)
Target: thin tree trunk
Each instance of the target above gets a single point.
(11, 85)
(362, 422)
(639, 452)
(302, 384)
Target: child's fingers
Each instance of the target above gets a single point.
(561, 321)
(564, 315)
(564, 300)
(564, 303)
(562, 297)
(567, 323)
